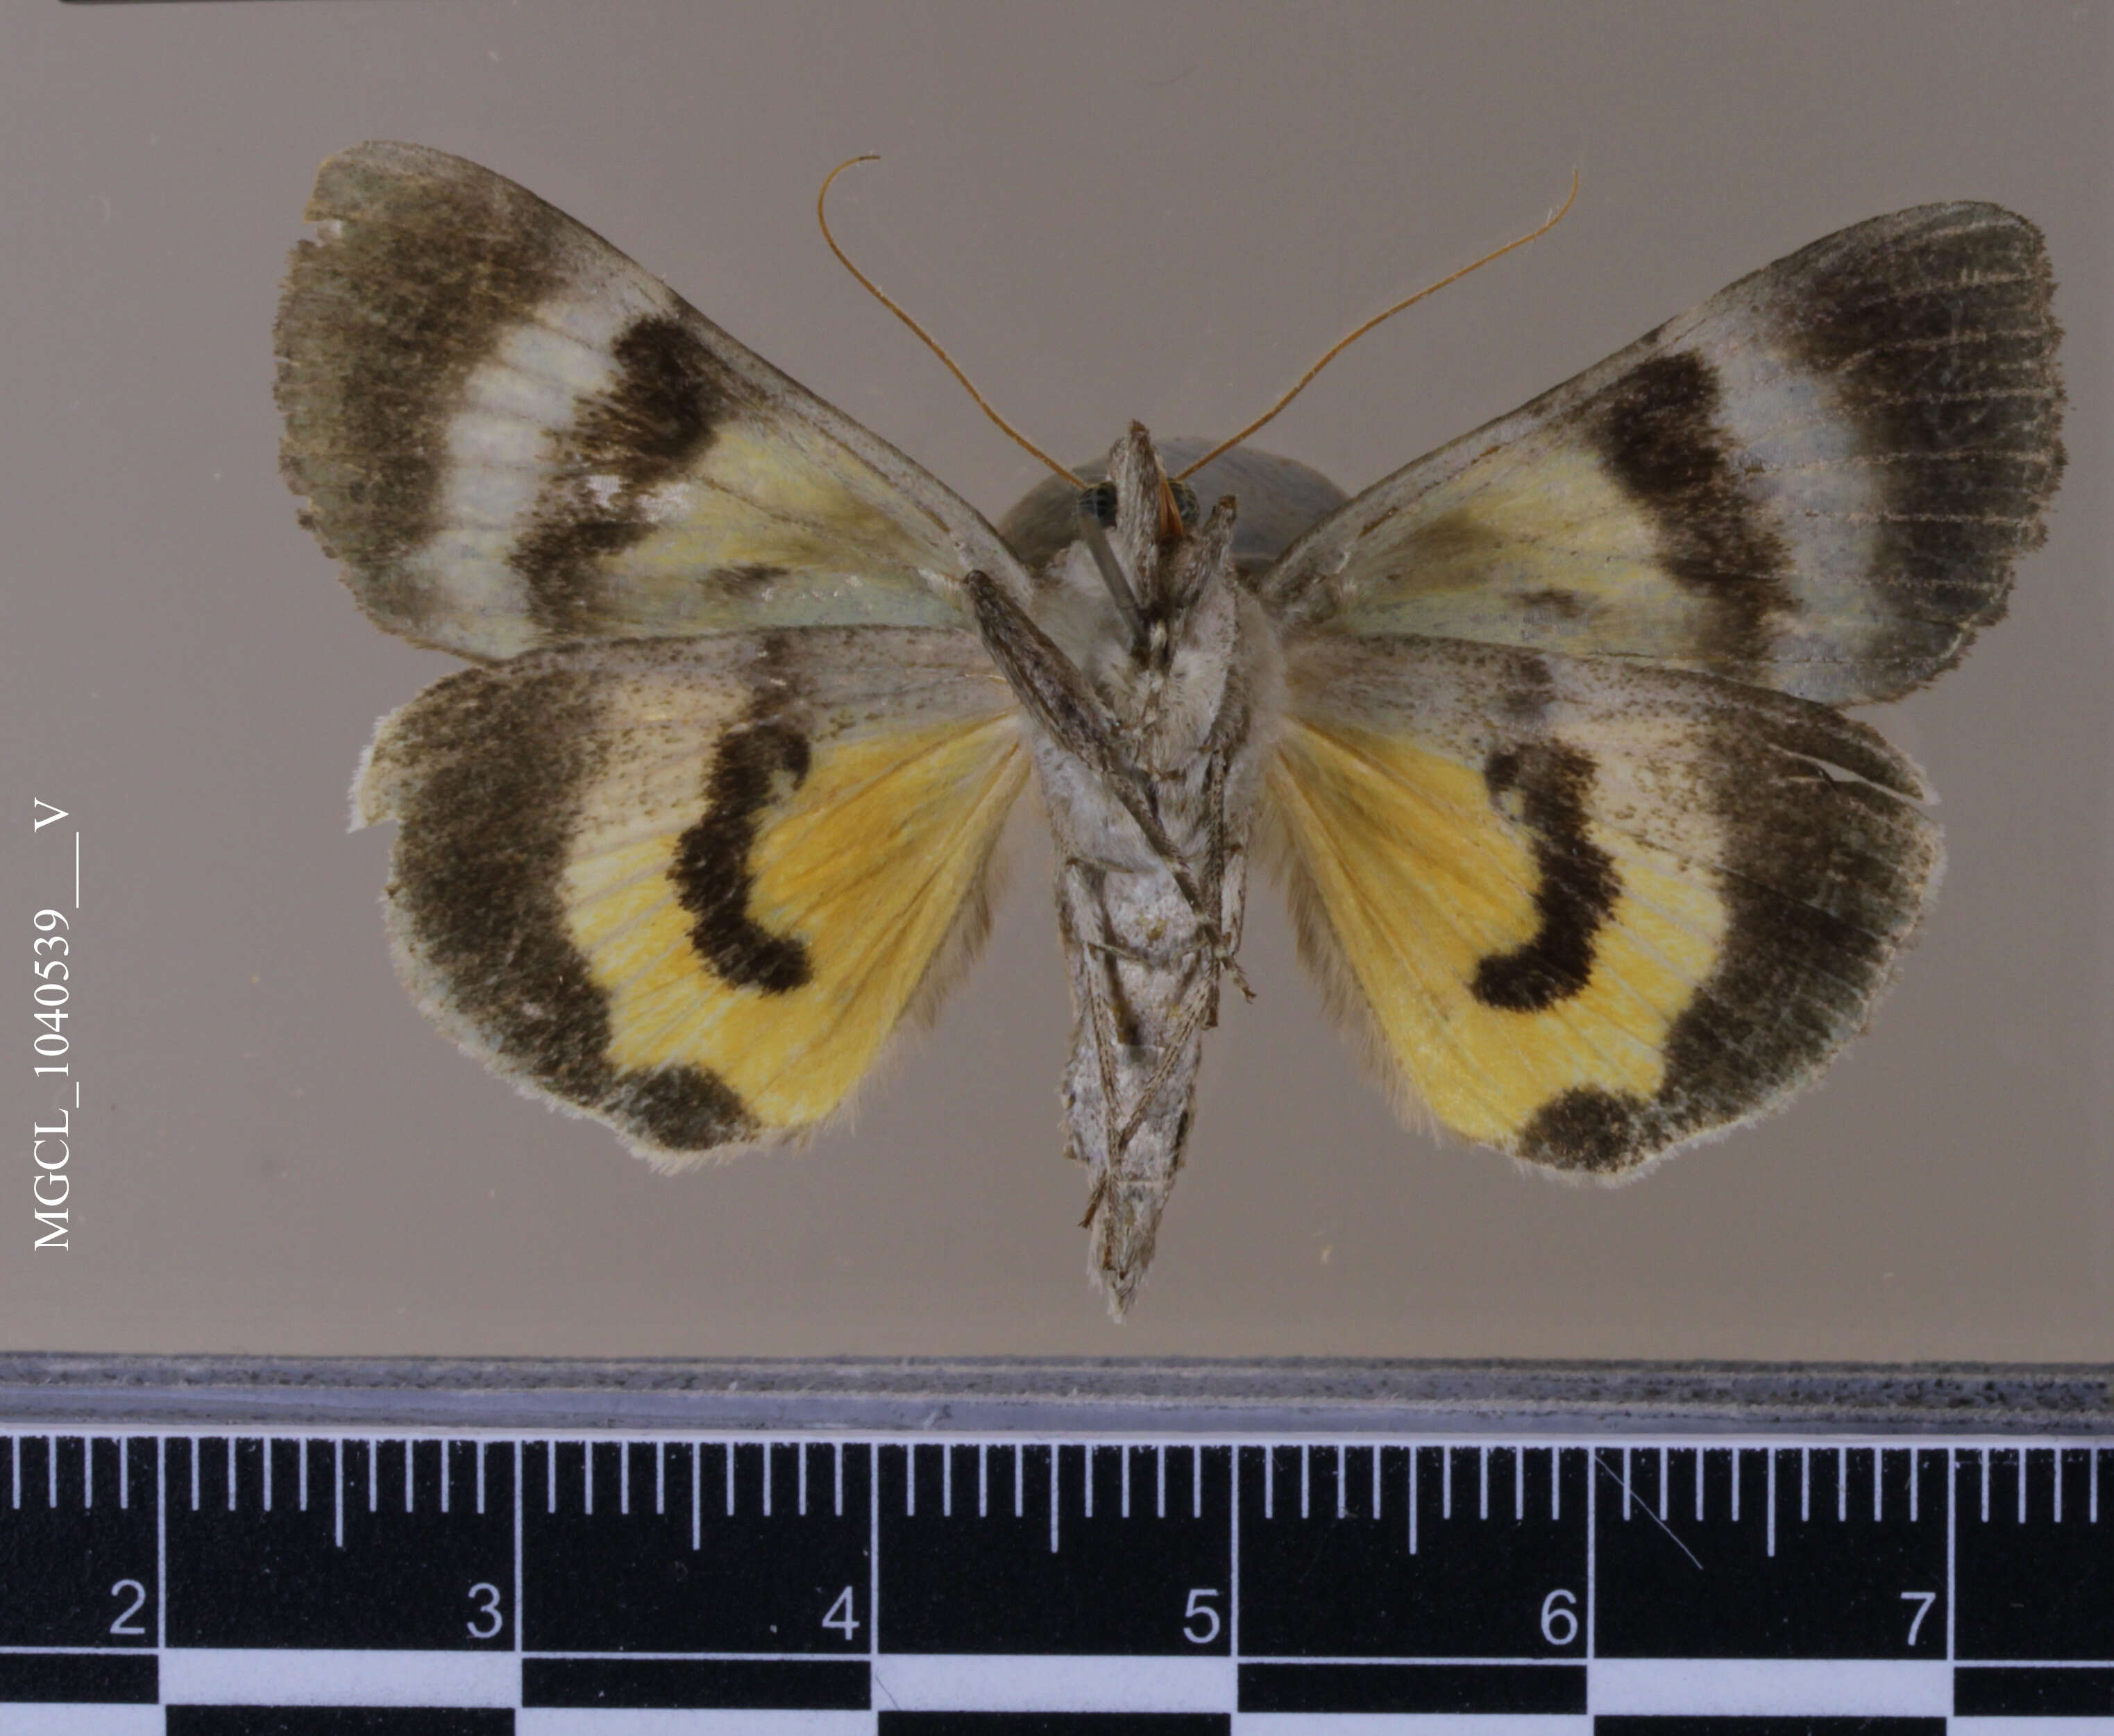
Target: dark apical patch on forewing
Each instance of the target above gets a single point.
(1550, 786)
(382, 320)
(1936, 330)
(491, 769)
(1660, 429)
(755, 764)
(1823, 880)
(652, 424)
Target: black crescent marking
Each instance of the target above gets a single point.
(712, 873)
(1659, 433)
(652, 424)
(1576, 884)
(758, 763)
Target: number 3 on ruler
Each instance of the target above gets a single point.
(486, 1596)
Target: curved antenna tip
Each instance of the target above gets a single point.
(931, 343)
(862, 156)
(1345, 342)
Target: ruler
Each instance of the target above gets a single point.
(424, 1582)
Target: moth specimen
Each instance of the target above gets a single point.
(1544, 734)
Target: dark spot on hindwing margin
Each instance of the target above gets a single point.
(1587, 1128)
(1658, 431)
(502, 761)
(1828, 877)
(757, 763)
(652, 424)
(684, 1109)
(1576, 884)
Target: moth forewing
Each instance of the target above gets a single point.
(1820, 480)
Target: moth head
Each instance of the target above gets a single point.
(1172, 612)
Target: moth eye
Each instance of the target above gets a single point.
(1185, 503)
(1100, 501)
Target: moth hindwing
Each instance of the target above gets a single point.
(1542, 732)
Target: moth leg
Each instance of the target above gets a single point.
(1045, 681)
(1158, 960)
(1198, 999)
(1134, 955)
(1226, 945)
(1097, 1193)
(1201, 1000)
(1102, 1014)
(1218, 946)
(1214, 877)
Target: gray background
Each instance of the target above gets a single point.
(1108, 211)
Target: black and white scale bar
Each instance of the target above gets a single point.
(690, 1684)
(408, 1582)
(1705, 1724)
(1514, 1690)
(2000, 1693)
(336, 1720)
(1054, 1723)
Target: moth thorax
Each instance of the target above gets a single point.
(1167, 693)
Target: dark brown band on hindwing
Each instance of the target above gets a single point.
(498, 767)
(380, 323)
(1575, 885)
(1661, 435)
(1827, 877)
(649, 426)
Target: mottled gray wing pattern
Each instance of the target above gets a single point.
(1819, 481)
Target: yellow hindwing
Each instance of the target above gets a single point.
(866, 864)
(1423, 877)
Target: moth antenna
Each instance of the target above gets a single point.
(931, 343)
(1345, 342)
